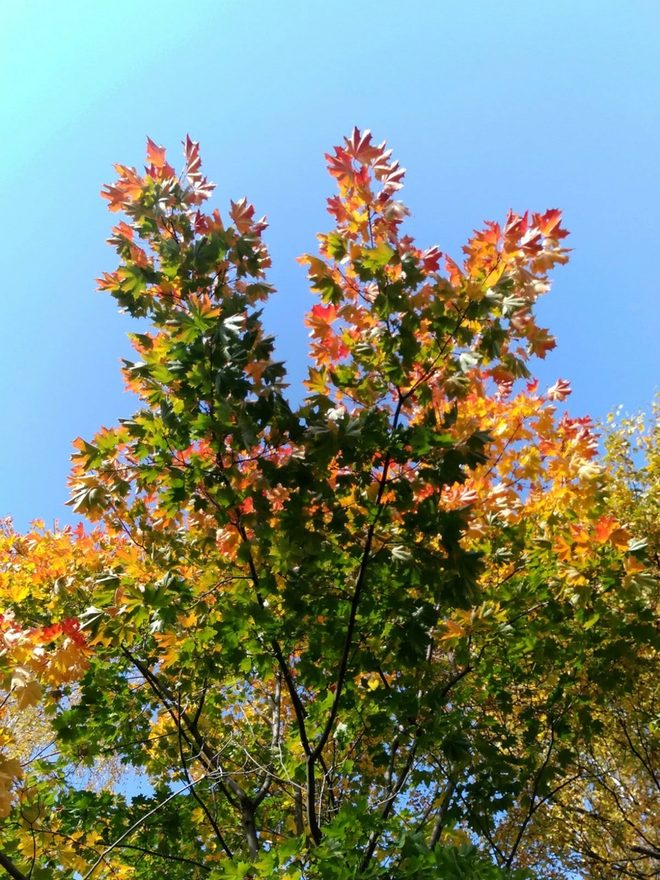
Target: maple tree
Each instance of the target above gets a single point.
(606, 818)
(403, 628)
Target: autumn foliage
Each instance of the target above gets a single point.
(401, 629)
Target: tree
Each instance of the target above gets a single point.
(606, 818)
(372, 634)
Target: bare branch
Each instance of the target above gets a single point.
(196, 795)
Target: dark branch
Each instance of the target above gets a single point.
(532, 803)
(211, 819)
(10, 868)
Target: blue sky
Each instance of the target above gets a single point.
(490, 106)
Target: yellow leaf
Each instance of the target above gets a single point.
(493, 277)
(5, 801)
(452, 630)
(633, 565)
(25, 690)
(10, 768)
(188, 620)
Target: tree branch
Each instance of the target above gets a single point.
(167, 856)
(168, 701)
(387, 808)
(10, 868)
(357, 593)
(442, 815)
(315, 753)
(268, 776)
(532, 803)
(195, 794)
(129, 831)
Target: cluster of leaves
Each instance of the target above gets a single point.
(388, 632)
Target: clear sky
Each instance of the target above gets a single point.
(490, 105)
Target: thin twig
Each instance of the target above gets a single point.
(133, 828)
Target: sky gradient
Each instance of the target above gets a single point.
(490, 106)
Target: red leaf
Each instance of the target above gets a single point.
(549, 223)
(320, 317)
(340, 165)
(431, 259)
(359, 146)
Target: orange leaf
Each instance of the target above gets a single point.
(155, 154)
(605, 526)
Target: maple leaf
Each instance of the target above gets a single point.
(155, 154)
(121, 233)
(360, 148)
(24, 688)
(451, 631)
(337, 208)
(10, 768)
(563, 549)
(193, 160)
(128, 187)
(320, 317)
(341, 165)
(455, 274)
(201, 188)
(431, 259)
(115, 195)
(540, 340)
(559, 391)
(242, 213)
(550, 223)
(516, 226)
(633, 565)
(604, 528)
(247, 506)
(390, 175)
(458, 496)
(10, 771)
(620, 538)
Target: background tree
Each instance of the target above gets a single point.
(377, 633)
(605, 821)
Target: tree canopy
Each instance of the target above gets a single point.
(399, 625)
